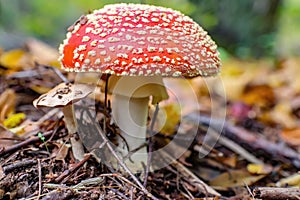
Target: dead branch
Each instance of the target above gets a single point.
(272, 193)
(235, 147)
(17, 165)
(254, 141)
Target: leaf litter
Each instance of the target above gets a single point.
(262, 123)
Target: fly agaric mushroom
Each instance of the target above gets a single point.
(64, 96)
(138, 45)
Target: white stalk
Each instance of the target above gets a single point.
(69, 118)
(130, 114)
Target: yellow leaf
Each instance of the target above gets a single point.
(11, 59)
(55, 63)
(282, 114)
(40, 89)
(233, 72)
(14, 120)
(234, 178)
(293, 180)
(167, 118)
(259, 168)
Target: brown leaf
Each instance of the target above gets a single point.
(61, 152)
(7, 103)
(6, 137)
(291, 136)
(230, 161)
(258, 95)
(234, 178)
(42, 53)
(282, 114)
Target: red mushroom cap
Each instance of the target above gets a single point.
(139, 40)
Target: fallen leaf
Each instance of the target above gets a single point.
(258, 95)
(282, 114)
(16, 59)
(259, 168)
(27, 126)
(167, 119)
(40, 89)
(181, 92)
(291, 73)
(6, 137)
(235, 76)
(234, 178)
(11, 59)
(14, 120)
(7, 103)
(291, 136)
(41, 52)
(293, 180)
(230, 161)
(61, 151)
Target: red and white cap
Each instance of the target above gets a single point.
(139, 40)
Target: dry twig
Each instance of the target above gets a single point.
(235, 147)
(190, 176)
(254, 141)
(150, 143)
(63, 177)
(120, 161)
(123, 165)
(17, 165)
(40, 178)
(272, 193)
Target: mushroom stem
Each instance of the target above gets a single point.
(131, 114)
(69, 118)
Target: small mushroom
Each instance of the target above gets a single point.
(138, 45)
(64, 96)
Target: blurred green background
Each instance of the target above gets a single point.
(246, 29)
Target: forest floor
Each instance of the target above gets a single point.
(254, 156)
